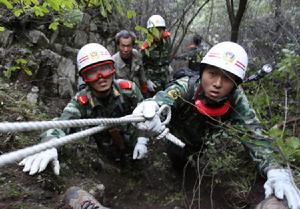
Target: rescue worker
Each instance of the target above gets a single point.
(202, 104)
(128, 61)
(194, 54)
(103, 96)
(157, 55)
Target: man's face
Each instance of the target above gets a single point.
(102, 85)
(125, 47)
(216, 83)
(100, 76)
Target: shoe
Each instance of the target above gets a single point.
(272, 203)
(77, 198)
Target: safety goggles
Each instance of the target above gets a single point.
(95, 72)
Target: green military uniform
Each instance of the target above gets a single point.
(134, 71)
(194, 58)
(193, 128)
(124, 97)
(156, 60)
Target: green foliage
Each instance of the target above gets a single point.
(275, 100)
(106, 6)
(20, 64)
(131, 14)
(7, 4)
(289, 64)
(151, 35)
(63, 12)
(289, 146)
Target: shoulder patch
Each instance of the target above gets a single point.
(83, 99)
(174, 94)
(125, 85)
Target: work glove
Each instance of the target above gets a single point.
(38, 162)
(151, 86)
(281, 183)
(140, 149)
(153, 125)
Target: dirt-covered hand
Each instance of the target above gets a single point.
(38, 162)
(280, 183)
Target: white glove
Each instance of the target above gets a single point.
(38, 162)
(153, 125)
(281, 183)
(140, 149)
(151, 86)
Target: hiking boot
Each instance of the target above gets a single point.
(77, 198)
(272, 203)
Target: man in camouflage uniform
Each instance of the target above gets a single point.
(202, 105)
(103, 96)
(194, 54)
(128, 61)
(157, 55)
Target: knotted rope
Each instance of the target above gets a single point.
(102, 124)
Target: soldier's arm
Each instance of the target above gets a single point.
(258, 144)
(177, 90)
(73, 110)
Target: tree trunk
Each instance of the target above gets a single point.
(235, 19)
(277, 14)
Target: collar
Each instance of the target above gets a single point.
(207, 110)
(94, 101)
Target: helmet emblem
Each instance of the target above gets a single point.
(229, 57)
(94, 55)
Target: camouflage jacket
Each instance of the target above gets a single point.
(192, 127)
(156, 59)
(123, 99)
(195, 58)
(135, 72)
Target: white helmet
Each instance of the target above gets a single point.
(156, 21)
(228, 56)
(91, 54)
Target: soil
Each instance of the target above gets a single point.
(150, 184)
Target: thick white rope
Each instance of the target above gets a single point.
(6, 127)
(105, 123)
(56, 142)
(45, 125)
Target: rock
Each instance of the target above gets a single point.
(38, 38)
(33, 96)
(80, 39)
(6, 38)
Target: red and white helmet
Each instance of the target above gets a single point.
(228, 56)
(90, 54)
(156, 21)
